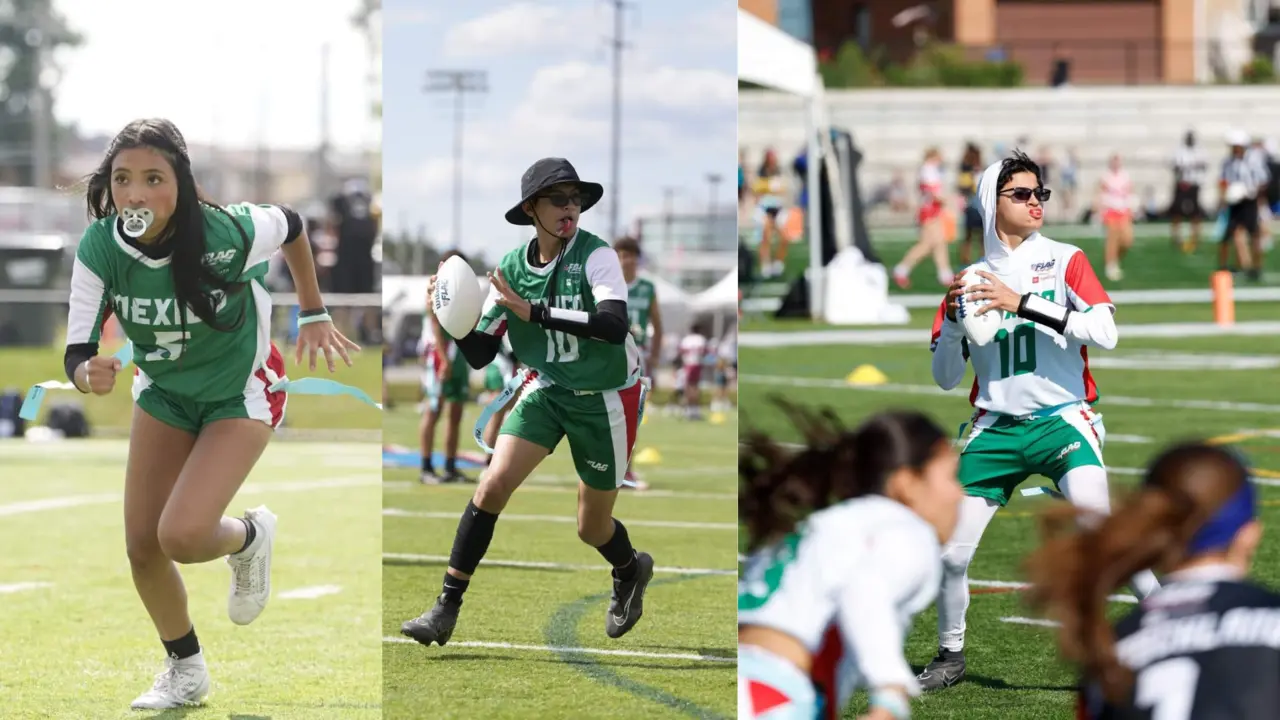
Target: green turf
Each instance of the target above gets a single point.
(693, 482)
(1151, 263)
(1012, 669)
(24, 367)
(83, 647)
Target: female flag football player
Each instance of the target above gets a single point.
(1208, 644)
(1032, 389)
(824, 606)
(203, 408)
(562, 300)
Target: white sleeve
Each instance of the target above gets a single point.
(1095, 326)
(948, 356)
(88, 299)
(872, 607)
(604, 273)
(270, 230)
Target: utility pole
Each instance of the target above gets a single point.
(618, 45)
(668, 212)
(458, 82)
(713, 181)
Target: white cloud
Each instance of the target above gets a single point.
(525, 26)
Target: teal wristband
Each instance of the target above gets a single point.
(897, 705)
(323, 317)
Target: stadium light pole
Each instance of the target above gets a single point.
(713, 182)
(458, 82)
(617, 44)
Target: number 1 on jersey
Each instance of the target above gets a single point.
(1168, 688)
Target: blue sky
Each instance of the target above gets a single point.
(549, 79)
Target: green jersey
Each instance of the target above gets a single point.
(196, 361)
(640, 299)
(589, 274)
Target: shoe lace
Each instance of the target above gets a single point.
(241, 572)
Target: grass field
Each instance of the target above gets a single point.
(1151, 263)
(78, 644)
(530, 641)
(1153, 391)
(24, 367)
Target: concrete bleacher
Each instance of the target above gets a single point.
(892, 128)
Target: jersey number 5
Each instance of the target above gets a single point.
(169, 346)
(1168, 688)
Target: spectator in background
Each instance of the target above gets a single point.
(1070, 181)
(1273, 188)
(932, 233)
(1114, 204)
(1257, 156)
(1238, 193)
(769, 189)
(1189, 170)
(967, 185)
(353, 223)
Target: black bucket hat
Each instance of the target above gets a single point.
(542, 175)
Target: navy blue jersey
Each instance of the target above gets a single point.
(1200, 649)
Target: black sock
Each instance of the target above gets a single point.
(426, 464)
(250, 532)
(619, 553)
(453, 588)
(451, 464)
(475, 531)
(183, 647)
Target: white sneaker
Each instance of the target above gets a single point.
(184, 682)
(251, 570)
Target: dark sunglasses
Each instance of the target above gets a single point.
(562, 200)
(1022, 194)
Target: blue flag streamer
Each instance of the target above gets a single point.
(322, 386)
(35, 396)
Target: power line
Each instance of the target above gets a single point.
(458, 82)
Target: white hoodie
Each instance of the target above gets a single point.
(1029, 367)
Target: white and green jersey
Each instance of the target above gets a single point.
(640, 299)
(196, 362)
(589, 274)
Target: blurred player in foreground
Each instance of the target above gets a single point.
(446, 384)
(203, 412)
(1032, 389)
(824, 605)
(563, 300)
(1208, 644)
(643, 310)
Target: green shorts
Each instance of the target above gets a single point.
(1002, 451)
(456, 387)
(191, 415)
(601, 428)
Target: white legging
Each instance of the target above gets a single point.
(1085, 487)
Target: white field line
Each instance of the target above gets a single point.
(834, 384)
(1128, 599)
(23, 587)
(407, 485)
(567, 519)
(1030, 621)
(576, 651)
(57, 503)
(532, 565)
(309, 593)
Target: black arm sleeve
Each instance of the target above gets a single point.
(294, 221)
(479, 348)
(75, 355)
(607, 324)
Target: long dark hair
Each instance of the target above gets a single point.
(779, 487)
(195, 285)
(1075, 569)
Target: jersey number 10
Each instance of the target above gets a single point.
(563, 347)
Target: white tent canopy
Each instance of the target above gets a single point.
(723, 296)
(771, 58)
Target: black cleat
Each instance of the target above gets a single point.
(435, 625)
(627, 604)
(455, 477)
(946, 670)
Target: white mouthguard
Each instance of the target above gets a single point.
(136, 221)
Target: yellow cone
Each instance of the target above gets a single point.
(866, 375)
(644, 419)
(647, 456)
(716, 418)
